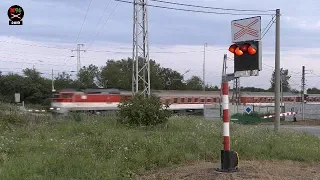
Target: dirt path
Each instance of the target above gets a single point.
(247, 170)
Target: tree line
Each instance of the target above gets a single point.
(34, 88)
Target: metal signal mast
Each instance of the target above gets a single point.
(140, 55)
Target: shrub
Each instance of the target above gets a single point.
(143, 111)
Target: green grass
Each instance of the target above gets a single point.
(93, 147)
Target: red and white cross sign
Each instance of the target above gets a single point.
(246, 29)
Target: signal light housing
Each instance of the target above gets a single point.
(247, 55)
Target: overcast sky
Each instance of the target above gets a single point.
(50, 30)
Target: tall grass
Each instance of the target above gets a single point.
(97, 147)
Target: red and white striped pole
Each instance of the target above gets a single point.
(229, 158)
(225, 116)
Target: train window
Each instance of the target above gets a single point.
(214, 99)
(182, 100)
(201, 100)
(195, 99)
(208, 100)
(167, 101)
(175, 100)
(189, 100)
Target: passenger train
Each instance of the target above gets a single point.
(97, 100)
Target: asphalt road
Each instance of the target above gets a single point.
(315, 130)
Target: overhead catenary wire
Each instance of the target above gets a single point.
(84, 20)
(52, 56)
(266, 29)
(209, 7)
(103, 26)
(35, 45)
(197, 11)
(20, 62)
(107, 51)
(271, 21)
(104, 11)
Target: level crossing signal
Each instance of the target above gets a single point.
(247, 55)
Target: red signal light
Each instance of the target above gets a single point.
(232, 48)
(252, 50)
(238, 51)
(245, 47)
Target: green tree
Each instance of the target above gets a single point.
(88, 76)
(252, 89)
(313, 90)
(171, 79)
(212, 88)
(285, 77)
(35, 88)
(64, 81)
(10, 84)
(118, 74)
(194, 83)
(32, 87)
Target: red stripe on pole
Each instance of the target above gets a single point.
(225, 88)
(225, 115)
(226, 143)
(226, 139)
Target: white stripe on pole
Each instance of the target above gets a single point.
(225, 101)
(226, 131)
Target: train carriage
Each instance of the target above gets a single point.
(97, 100)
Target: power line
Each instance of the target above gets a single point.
(47, 56)
(156, 52)
(103, 25)
(50, 47)
(33, 63)
(266, 29)
(48, 70)
(208, 7)
(189, 10)
(84, 20)
(104, 11)
(104, 51)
